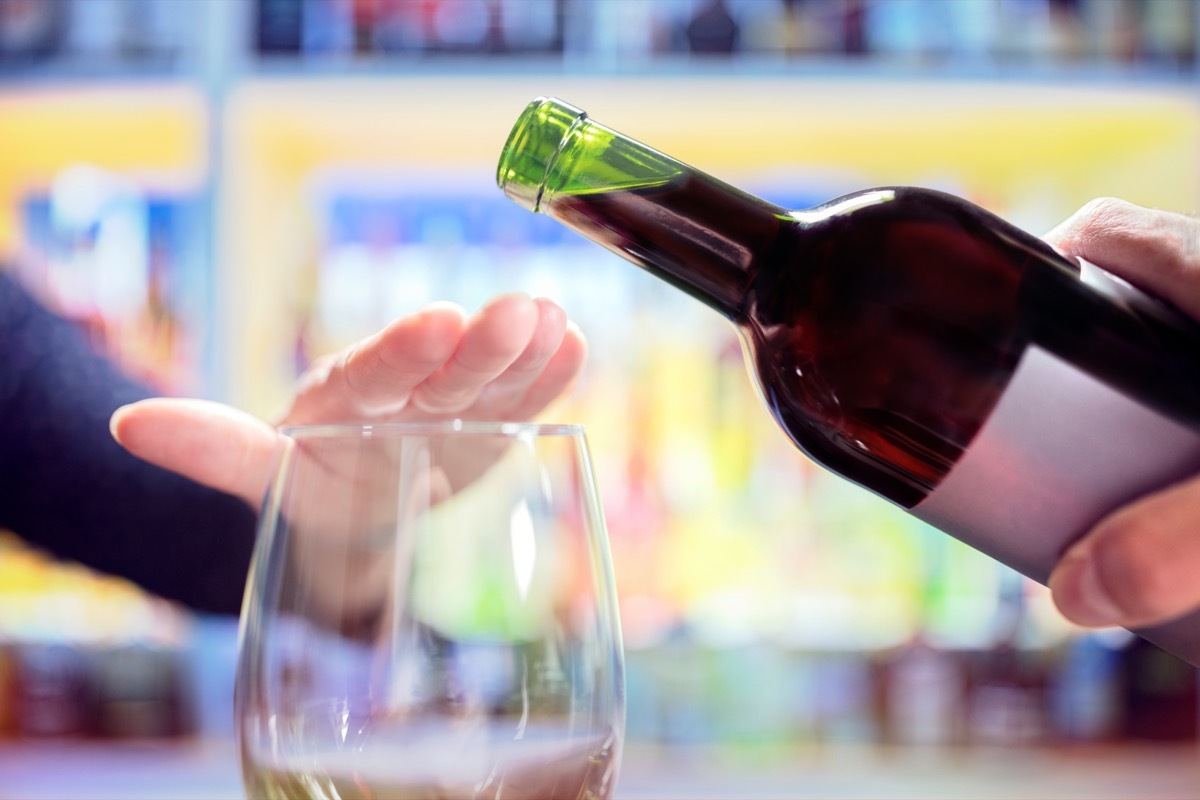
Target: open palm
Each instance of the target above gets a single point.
(508, 361)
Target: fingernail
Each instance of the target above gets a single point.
(1080, 594)
(115, 419)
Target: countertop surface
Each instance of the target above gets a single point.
(195, 770)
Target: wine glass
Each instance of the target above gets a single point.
(430, 614)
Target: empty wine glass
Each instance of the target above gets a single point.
(430, 614)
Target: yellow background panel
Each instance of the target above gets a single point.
(155, 134)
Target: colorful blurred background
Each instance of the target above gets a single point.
(219, 190)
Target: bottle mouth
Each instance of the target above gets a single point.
(533, 146)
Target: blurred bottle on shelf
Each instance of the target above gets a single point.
(1006, 696)
(140, 692)
(31, 31)
(843, 698)
(1084, 700)
(8, 690)
(924, 692)
(278, 27)
(151, 31)
(1159, 695)
(923, 695)
(712, 30)
(54, 693)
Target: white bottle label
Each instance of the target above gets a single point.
(1060, 450)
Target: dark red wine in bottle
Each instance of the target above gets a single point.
(906, 339)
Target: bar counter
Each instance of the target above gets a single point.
(200, 770)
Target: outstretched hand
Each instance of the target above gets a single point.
(507, 362)
(1139, 566)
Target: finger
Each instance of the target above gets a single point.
(509, 389)
(208, 442)
(556, 378)
(1138, 566)
(493, 340)
(377, 376)
(1158, 251)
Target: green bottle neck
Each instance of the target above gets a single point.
(679, 224)
(555, 149)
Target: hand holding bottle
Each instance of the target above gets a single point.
(925, 349)
(1139, 565)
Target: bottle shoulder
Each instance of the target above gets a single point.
(891, 205)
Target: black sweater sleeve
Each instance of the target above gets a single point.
(67, 487)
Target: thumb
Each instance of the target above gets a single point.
(1138, 566)
(211, 443)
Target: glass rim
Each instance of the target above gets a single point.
(442, 428)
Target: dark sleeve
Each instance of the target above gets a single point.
(67, 487)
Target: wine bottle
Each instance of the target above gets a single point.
(906, 339)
